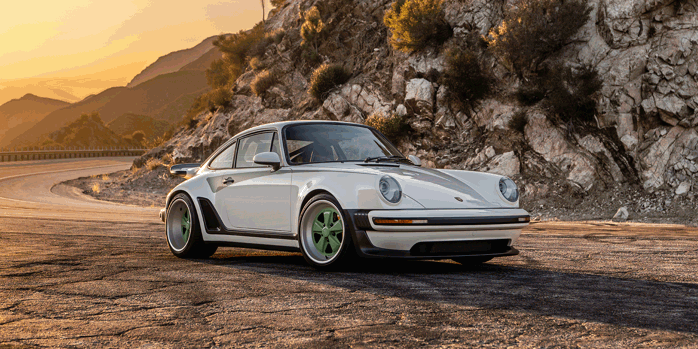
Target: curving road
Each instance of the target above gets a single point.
(75, 272)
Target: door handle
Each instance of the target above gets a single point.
(228, 181)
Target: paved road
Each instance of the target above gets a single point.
(77, 273)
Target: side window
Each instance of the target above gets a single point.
(275, 145)
(224, 160)
(251, 146)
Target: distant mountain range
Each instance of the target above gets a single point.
(19, 115)
(173, 62)
(163, 92)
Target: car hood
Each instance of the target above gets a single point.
(433, 188)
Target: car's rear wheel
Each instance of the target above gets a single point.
(475, 260)
(183, 230)
(323, 233)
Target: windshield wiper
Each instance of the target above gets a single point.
(392, 158)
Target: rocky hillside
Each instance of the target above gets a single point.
(640, 148)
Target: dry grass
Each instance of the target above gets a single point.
(96, 188)
(105, 177)
(153, 164)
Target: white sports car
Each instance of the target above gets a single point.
(334, 191)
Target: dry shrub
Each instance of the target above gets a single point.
(312, 27)
(325, 78)
(464, 76)
(534, 29)
(416, 23)
(96, 188)
(105, 177)
(263, 82)
(256, 63)
(152, 164)
(518, 121)
(167, 159)
(392, 126)
(571, 93)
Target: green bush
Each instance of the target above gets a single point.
(325, 78)
(534, 29)
(464, 77)
(263, 81)
(571, 93)
(416, 23)
(391, 126)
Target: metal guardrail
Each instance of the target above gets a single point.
(7, 155)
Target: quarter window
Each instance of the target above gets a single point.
(224, 159)
(251, 146)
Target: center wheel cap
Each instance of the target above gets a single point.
(325, 232)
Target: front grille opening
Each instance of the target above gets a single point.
(361, 220)
(448, 248)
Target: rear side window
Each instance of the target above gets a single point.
(224, 160)
(251, 146)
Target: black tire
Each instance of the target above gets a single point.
(345, 254)
(470, 261)
(185, 244)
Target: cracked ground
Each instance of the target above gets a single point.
(71, 283)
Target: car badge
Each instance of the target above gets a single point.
(459, 199)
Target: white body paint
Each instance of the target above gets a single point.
(267, 201)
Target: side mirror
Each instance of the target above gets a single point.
(269, 159)
(185, 170)
(415, 160)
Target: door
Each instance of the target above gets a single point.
(255, 197)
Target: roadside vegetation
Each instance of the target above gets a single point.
(325, 78)
(415, 24)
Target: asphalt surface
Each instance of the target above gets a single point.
(75, 272)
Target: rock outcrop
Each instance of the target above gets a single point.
(646, 52)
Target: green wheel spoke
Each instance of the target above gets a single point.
(317, 227)
(336, 227)
(334, 243)
(322, 245)
(327, 216)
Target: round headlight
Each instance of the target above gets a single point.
(390, 189)
(508, 189)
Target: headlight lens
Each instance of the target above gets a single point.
(508, 189)
(390, 189)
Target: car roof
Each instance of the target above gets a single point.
(280, 125)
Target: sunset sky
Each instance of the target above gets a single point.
(105, 42)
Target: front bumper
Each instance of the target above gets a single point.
(439, 234)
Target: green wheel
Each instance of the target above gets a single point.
(183, 231)
(323, 234)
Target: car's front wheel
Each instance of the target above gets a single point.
(183, 230)
(323, 233)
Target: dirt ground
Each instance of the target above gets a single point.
(549, 202)
(83, 284)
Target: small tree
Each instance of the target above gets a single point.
(312, 28)
(534, 29)
(416, 23)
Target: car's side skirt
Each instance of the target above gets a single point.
(214, 225)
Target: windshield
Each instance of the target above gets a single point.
(313, 143)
